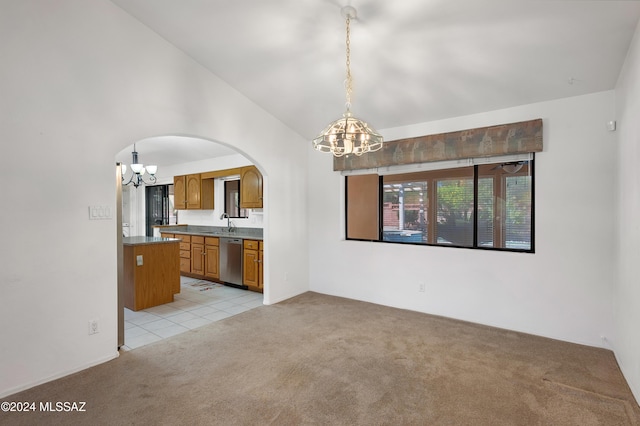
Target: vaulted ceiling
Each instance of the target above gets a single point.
(412, 60)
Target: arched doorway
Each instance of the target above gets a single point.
(177, 156)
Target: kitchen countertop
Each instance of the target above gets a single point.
(215, 231)
(136, 241)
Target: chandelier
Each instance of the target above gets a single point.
(138, 170)
(348, 135)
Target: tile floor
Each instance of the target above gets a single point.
(199, 303)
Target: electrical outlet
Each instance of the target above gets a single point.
(422, 287)
(93, 327)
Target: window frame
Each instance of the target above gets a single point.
(228, 191)
(480, 171)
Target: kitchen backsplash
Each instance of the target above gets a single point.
(212, 218)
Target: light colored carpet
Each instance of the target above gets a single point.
(322, 360)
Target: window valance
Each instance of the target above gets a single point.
(505, 139)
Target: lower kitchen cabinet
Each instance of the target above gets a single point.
(185, 253)
(200, 258)
(212, 257)
(197, 255)
(252, 274)
(185, 250)
(185, 261)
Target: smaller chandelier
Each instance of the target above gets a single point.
(138, 170)
(348, 135)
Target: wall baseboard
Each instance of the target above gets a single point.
(8, 392)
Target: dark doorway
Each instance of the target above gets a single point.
(159, 207)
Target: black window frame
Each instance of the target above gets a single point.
(227, 193)
(475, 244)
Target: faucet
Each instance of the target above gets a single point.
(223, 216)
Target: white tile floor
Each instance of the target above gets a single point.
(199, 303)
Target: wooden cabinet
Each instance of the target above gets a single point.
(250, 266)
(185, 250)
(185, 261)
(179, 192)
(195, 191)
(151, 274)
(197, 255)
(250, 188)
(185, 253)
(200, 258)
(212, 257)
(252, 274)
(192, 192)
(261, 267)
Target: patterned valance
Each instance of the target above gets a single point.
(505, 139)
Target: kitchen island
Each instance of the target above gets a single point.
(151, 269)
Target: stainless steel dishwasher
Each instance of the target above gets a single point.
(231, 261)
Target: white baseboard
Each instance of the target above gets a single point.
(8, 392)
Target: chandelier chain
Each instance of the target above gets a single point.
(349, 81)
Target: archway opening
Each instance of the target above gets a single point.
(212, 230)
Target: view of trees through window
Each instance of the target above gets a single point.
(439, 207)
(454, 220)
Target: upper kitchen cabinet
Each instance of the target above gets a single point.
(250, 188)
(192, 192)
(179, 192)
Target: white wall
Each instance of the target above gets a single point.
(627, 289)
(562, 291)
(80, 81)
(83, 80)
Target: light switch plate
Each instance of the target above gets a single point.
(139, 260)
(99, 212)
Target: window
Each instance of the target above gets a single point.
(232, 199)
(505, 206)
(484, 206)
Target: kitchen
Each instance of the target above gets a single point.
(219, 230)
